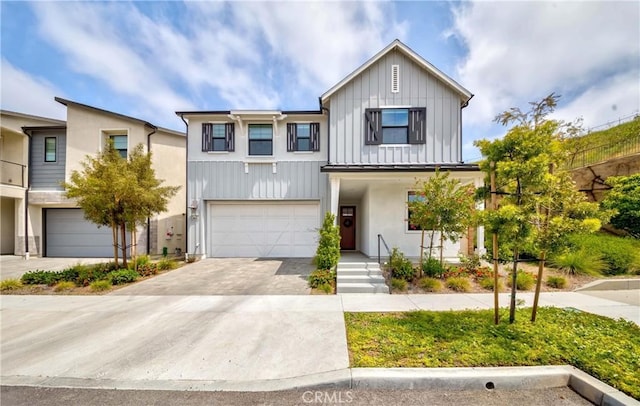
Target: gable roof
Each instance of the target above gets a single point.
(86, 106)
(47, 120)
(398, 45)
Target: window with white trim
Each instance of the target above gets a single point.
(395, 126)
(260, 139)
(303, 137)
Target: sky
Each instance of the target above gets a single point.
(149, 59)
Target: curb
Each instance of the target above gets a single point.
(611, 284)
(436, 379)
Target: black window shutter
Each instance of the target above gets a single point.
(291, 137)
(207, 133)
(229, 133)
(418, 125)
(315, 136)
(373, 127)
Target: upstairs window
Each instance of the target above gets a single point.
(218, 137)
(260, 139)
(120, 144)
(50, 149)
(303, 137)
(395, 126)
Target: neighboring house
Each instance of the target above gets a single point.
(56, 227)
(259, 182)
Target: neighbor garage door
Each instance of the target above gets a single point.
(68, 234)
(265, 229)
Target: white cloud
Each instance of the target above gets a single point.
(589, 52)
(22, 92)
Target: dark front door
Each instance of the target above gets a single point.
(348, 227)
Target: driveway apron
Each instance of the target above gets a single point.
(229, 276)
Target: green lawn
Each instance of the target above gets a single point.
(607, 349)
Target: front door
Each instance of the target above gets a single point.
(348, 227)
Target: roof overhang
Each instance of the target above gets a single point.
(465, 94)
(111, 113)
(447, 167)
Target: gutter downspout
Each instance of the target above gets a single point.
(148, 218)
(186, 200)
(26, 197)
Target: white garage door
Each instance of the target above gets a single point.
(68, 234)
(259, 230)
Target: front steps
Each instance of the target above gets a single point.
(360, 277)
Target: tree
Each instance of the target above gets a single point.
(119, 193)
(328, 251)
(624, 197)
(441, 204)
(538, 207)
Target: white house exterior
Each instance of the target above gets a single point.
(50, 150)
(259, 182)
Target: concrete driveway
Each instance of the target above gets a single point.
(229, 276)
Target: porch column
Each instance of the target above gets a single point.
(335, 195)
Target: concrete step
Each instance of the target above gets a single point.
(359, 271)
(351, 265)
(362, 288)
(342, 279)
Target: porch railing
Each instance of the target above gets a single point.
(381, 242)
(12, 173)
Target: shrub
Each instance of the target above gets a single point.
(10, 284)
(400, 266)
(455, 272)
(487, 283)
(100, 286)
(321, 277)
(326, 288)
(147, 269)
(524, 280)
(430, 284)
(96, 272)
(432, 268)
(622, 255)
(166, 264)
(399, 284)
(460, 284)
(470, 262)
(64, 286)
(557, 282)
(579, 263)
(142, 260)
(123, 276)
(328, 251)
(38, 277)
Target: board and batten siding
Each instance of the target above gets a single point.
(372, 89)
(47, 175)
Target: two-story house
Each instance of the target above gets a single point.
(53, 224)
(259, 182)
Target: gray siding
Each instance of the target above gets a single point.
(227, 180)
(47, 175)
(371, 89)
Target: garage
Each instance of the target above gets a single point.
(68, 234)
(263, 230)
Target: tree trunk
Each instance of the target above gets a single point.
(114, 237)
(421, 253)
(441, 247)
(123, 234)
(433, 233)
(543, 255)
(494, 206)
(512, 305)
(134, 248)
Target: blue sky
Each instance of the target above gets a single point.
(149, 59)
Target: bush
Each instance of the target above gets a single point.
(524, 280)
(432, 268)
(557, 282)
(459, 284)
(142, 260)
(64, 286)
(38, 277)
(147, 269)
(470, 262)
(100, 286)
(321, 277)
(326, 288)
(579, 263)
(622, 255)
(430, 284)
(328, 251)
(166, 264)
(10, 284)
(123, 276)
(399, 284)
(400, 266)
(487, 283)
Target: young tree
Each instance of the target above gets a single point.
(120, 193)
(536, 205)
(441, 205)
(328, 251)
(624, 198)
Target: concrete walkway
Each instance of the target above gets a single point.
(208, 342)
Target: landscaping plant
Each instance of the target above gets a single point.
(430, 284)
(624, 198)
(459, 284)
(400, 266)
(328, 251)
(580, 262)
(399, 284)
(557, 282)
(10, 284)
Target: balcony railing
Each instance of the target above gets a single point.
(12, 173)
